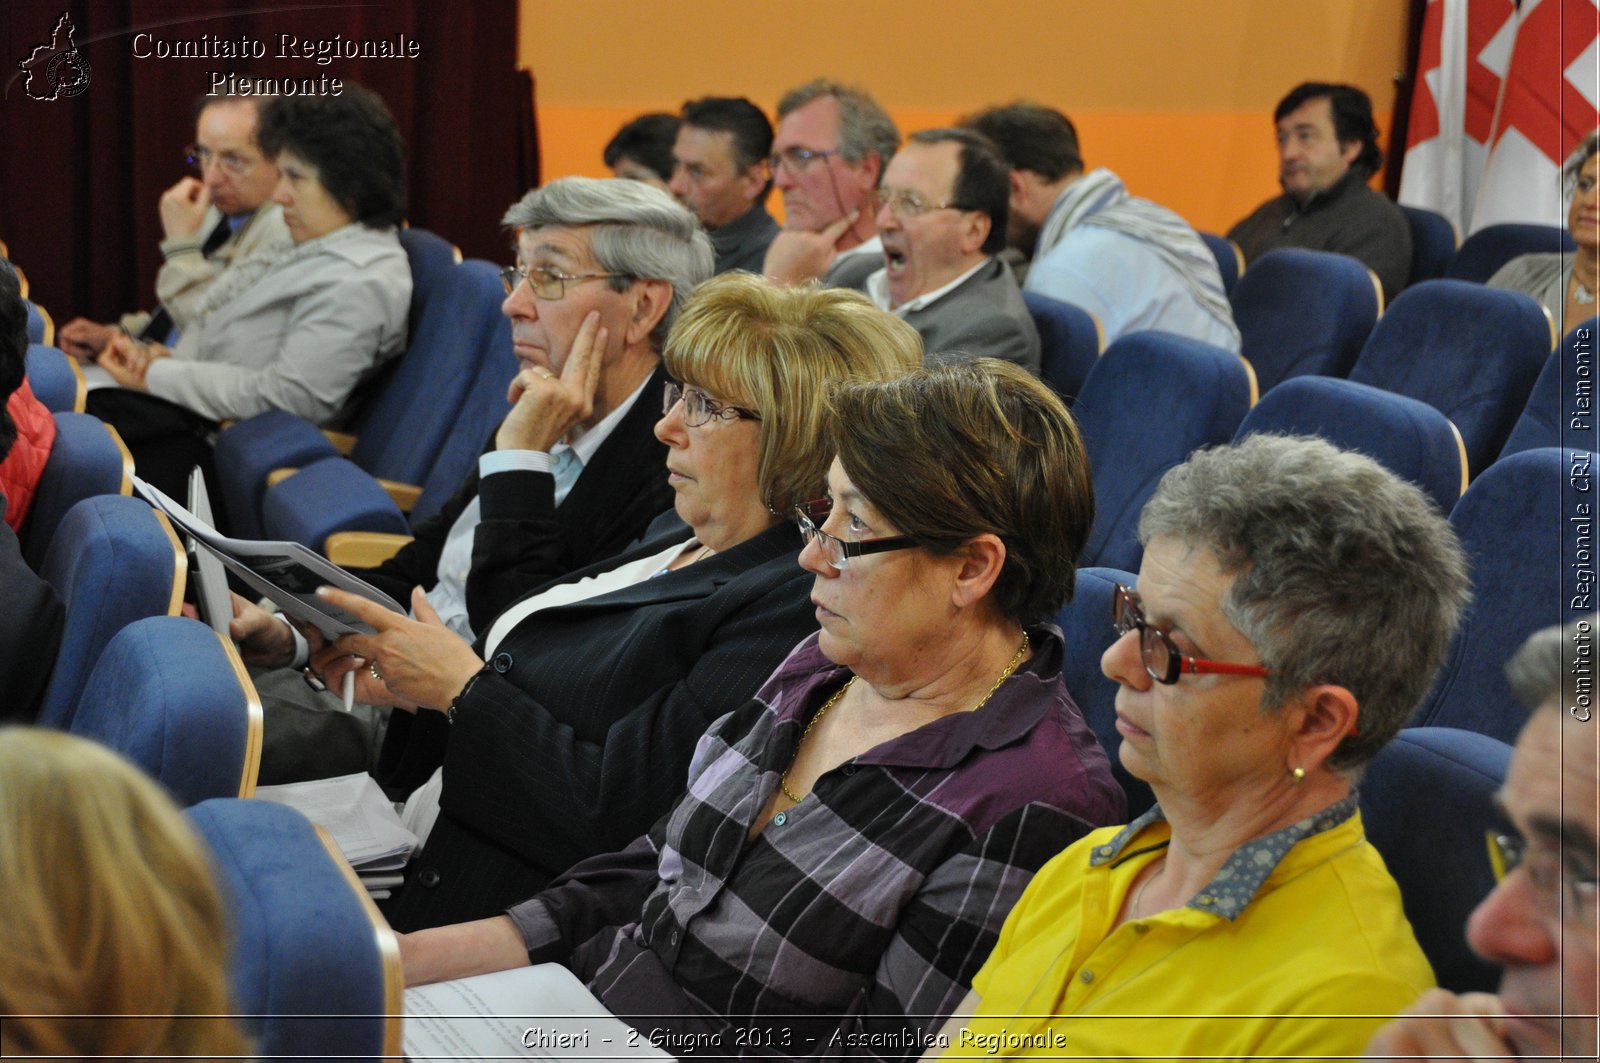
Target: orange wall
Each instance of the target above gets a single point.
(1174, 95)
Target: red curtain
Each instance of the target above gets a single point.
(80, 175)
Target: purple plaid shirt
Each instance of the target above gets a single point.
(854, 923)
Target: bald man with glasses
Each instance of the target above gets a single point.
(220, 216)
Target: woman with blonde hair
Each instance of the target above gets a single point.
(566, 729)
(112, 936)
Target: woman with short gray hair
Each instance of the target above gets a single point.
(1293, 605)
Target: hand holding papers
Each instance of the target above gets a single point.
(406, 662)
(288, 573)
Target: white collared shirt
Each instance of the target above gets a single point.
(878, 291)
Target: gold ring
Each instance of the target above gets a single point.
(372, 666)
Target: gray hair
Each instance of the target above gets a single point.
(1538, 672)
(639, 231)
(864, 126)
(1344, 573)
(1587, 149)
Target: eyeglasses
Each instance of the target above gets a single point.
(1557, 890)
(1160, 656)
(904, 203)
(700, 408)
(228, 162)
(548, 284)
(838, 552)
(796, 159)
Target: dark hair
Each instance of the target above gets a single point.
(647, 140)
(983, 180)
(206, 99)
(956, 451)
(1352, 117)
(1030, 136)
(742, 120)
(352, 141)
(13, 349)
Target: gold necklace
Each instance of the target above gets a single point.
(783, 779)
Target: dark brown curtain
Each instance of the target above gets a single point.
(80, 175)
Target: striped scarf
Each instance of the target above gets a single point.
(1099, 198)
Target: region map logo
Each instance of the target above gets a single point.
(57, 70)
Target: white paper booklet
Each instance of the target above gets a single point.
(288, 573)
(356, 813)
(540, 1012)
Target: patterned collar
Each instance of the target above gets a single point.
(1236, 884)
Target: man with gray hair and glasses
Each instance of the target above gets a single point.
(573, 473)
(1540, 922)
(830, 151)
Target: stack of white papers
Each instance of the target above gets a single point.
(540, 1012)
(362, 822)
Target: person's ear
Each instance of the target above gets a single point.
(651, 298)
(980, 562)
(975, 226)
(1328, 713)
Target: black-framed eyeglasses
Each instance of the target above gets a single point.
(548, 284)
(797, 159)
(1160, 655)
(1553, 883)
(229, 163)
(700, 408)
(904, 203)
(838, 552)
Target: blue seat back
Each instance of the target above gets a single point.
(1426, 803)
(431, 257)
(1147, 404)
(1433, 243)
(1085, 624)
(1511, 521)
(112, 561)
(40, 328)
(310, 970)
(1070, 340)
(85, 461)
(1561, 407)
(55, 380)
(1491, 247)
(407, 425)
(1230, 261)
(1303, 312)
(1470, 352)
(485, 407)
(1409, 438)
(328, 496)
(171, 695)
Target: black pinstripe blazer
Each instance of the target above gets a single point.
(577, 735)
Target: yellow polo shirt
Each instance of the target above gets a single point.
(1298, 948)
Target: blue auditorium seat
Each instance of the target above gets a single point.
(1304, 312)
(171, 695)
(1147, 404)
(1407, 437)
(1470, 352)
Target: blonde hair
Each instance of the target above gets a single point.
(778, 351)
(112, 941)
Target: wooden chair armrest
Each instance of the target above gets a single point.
(360, 549)
(277, 476)
(343, 442)
(405, 495)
